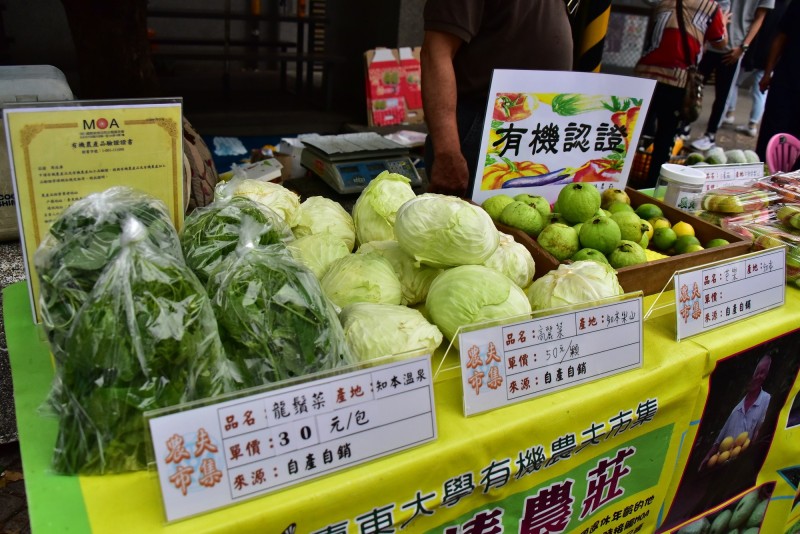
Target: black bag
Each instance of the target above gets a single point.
(692, 104)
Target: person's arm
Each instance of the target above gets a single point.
(720, 22)
(775, 52)
(734, 55)
(449, 174)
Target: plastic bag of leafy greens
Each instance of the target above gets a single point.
(79, 245)
(274, 320)
(146, 338)
(211, 233)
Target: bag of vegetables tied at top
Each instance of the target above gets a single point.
(274, 319)
(145, 338)
(79, 245)
(211, 233)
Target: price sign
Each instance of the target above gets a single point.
(223, 453)
(733, 174)
(516, 362)
(723, 292)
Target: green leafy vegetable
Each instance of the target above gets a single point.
(211, 233)
(79, 245)
(146, 338)
(273, 318)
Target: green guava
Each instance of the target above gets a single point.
(578, 201)
(613, 194)
(617, 206)
(600, 233)
(559, 240)
(494, 205)
(630, 225)
(555, 217)
(522, 216)
(589, 254)
(626, 254)
(578, 228)
(538, 202)
(645, 242)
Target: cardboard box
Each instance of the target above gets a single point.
(651, 277)
(393, 89)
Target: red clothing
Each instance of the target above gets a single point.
(664, 59)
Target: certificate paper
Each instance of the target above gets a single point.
(61, 153)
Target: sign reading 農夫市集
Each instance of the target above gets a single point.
(506, 364)
(727, 291)
(61, 153)
(225, 453)
(545, 129)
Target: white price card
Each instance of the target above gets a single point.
(511, 363)
(224, 453)
(726, 291)
(731, 174)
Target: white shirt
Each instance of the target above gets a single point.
(740, 421)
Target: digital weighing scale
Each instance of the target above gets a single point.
(348, 162)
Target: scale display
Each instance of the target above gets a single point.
(349, 162)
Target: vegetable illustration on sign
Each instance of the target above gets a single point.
(586, 137)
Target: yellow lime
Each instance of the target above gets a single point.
(683, 228)
(660, 222)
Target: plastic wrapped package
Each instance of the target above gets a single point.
(279, 199)
(211, 233)
(786, 185)
(766, 236)
(145, 338)
(789, 215)
(79, 245)
(728, 220)
(737, 199)
(274, 319)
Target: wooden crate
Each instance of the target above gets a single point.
(652, 276)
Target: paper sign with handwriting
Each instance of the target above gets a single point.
(225, 453)
(544, 130)
(511, 363)
(721, 293)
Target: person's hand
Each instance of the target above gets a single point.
(733, 56)
(763, 85)
(450, 174)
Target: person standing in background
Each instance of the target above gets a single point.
(465, 40)
(746, 17)
(664, 60)
(782, 78)
(753, 64)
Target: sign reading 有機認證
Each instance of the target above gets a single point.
(730, 290)
(228, 452)
(60, 153)
(545, 129)
(502, 365)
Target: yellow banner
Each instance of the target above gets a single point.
(60, 154)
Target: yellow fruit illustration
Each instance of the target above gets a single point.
(735, 451)
(746, 444)
(726, 444)
(740, 439)
(724, 457)
(713, 460)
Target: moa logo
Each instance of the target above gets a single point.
(100, 124)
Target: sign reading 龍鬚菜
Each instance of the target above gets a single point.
(60, 153)
(726, 291)
(225, 453)
(546, 129)
(506, 364)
